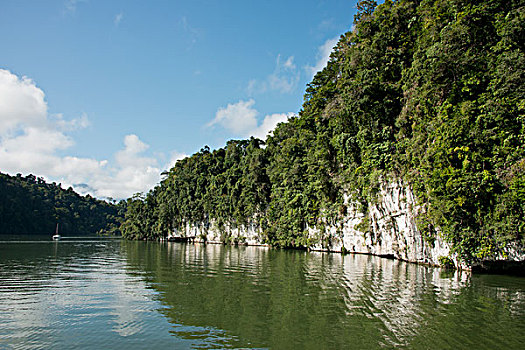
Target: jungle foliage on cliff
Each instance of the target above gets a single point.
(30, 205)
(430, 92)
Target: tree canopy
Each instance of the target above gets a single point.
(30, 205)
(429, 91)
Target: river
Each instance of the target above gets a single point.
(94, 294)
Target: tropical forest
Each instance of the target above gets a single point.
(30, 205)
(262, 174)
(429, 92)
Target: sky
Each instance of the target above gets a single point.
(105, 95)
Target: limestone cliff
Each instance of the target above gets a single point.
(389, 229)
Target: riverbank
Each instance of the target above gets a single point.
(388, 229)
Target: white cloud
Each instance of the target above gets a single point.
(284, 78)
(241, 119)
(73, 124)
(327, 24)
(118, 18)
(133, 172)
(191, 32)
(21, 102)
(37, 140)
(174, 158)
(323, 55)
(30, 141)
(237, 117)
(288, 64)
(269, 123)
(71, 5)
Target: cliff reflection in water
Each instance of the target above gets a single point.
(270, 298)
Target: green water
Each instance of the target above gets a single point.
(117, 294)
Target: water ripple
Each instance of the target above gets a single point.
(135, 294)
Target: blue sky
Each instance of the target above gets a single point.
(104, 95)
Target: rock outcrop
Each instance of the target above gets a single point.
(388, 229)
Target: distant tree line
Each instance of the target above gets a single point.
(430, 92)
(30, 205)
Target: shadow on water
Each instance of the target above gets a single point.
(293, 299)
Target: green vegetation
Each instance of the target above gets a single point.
(29, 205)
(446, 262)
(430, 92)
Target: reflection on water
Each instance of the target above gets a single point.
(135, 294)
(77, 295)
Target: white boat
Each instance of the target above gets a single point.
(56, 236)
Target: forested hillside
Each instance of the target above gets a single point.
(431, 92)
(29, 205)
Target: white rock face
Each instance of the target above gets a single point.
(212, 232)
(390, 230)
(513, 252)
